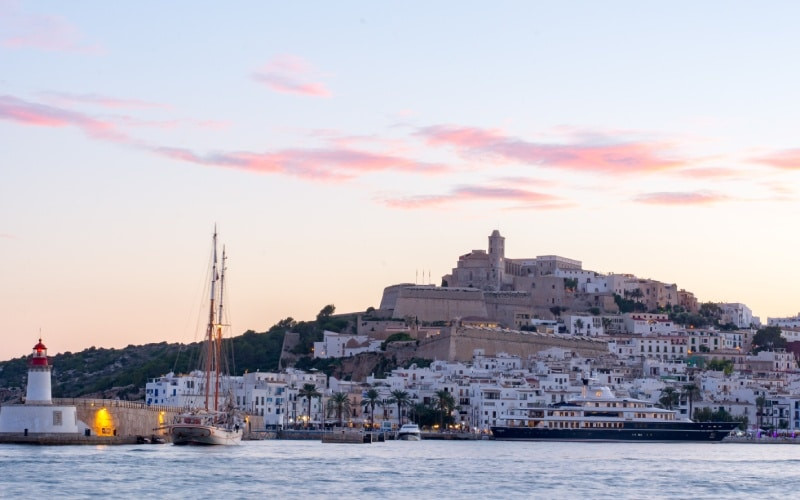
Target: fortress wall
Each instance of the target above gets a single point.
(390, 294)
(439, 309)
(459, 344)
(439, 304)
(503, 307)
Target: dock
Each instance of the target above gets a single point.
(67, 439)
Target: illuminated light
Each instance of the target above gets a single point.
(103, 423)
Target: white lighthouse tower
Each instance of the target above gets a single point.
(39, 415)
(39, 376)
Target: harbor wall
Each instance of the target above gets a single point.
(111, 417)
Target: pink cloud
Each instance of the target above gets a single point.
(788, 159)
(43, 32)
(28, 113)
(319, 164)
(62, 98)
(678, 198)
(527, 199)
(611, 158)
(288, 74)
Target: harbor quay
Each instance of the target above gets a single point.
(111, 421)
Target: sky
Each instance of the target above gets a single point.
(342, 147)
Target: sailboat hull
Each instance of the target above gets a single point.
(198, 434)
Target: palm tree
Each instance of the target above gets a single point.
(321, 411)
(669, 397)
(371, 399)
(761, 401)
(309, 391)
(401, 399)
(445, 403)
(692, 392)
(339, 404)
(579, 325)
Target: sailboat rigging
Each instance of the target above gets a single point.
(214, 424)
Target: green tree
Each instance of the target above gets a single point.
(702, 414)
(339, 405)
(711, 310)
(570, 283)
(396, 337)
(720, 365)
(424, 415)
(370, 400)
(445, 403)
(401, 399)
(309, 392)
(579, 325)
(325, 313)
(768, 338)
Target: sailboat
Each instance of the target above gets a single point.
(217, 422)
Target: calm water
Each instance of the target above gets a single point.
(399, 469)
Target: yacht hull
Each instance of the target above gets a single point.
(632, 432)
(409, 437)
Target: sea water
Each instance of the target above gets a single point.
(403, 469)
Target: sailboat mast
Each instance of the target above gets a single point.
(218, 343)
(210, 361)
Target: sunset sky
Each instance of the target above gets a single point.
(342, 147)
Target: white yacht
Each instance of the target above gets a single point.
(599, 415)
(409, 432)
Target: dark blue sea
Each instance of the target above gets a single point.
(403, 469)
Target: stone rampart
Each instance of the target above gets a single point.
(439, 304)
(458, 344)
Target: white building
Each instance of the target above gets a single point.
(788, 322)
(648, 324)
(339, 345)
(736, 313)
(274, 396)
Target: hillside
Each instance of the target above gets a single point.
(123, 373)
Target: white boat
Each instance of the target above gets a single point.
(217, 422)
(409, 432)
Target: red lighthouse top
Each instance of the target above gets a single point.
(39, 357)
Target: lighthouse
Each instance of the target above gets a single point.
(39, 390)
(39, 416)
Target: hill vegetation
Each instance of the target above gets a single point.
(123, 373)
